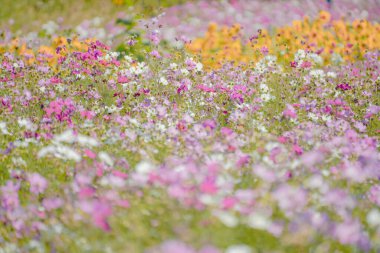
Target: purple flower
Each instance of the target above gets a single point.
(209, 123)
(38, 184)
(173, 246)
(52, 203)
(155, 54)
(290, 199)
(9, 195)
(374, 194)
(350, 232)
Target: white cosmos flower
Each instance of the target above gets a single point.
(266, 97)
(23, 122)
(173, 66)
(331, 74)
(60, 151)
(3, 128)
(264, 87)
(111, 109)
(373, 217)
(87, 141)
(299, 55)
(259, 221)
(315, 58)
(163, 81)
(68, 136)
(227, 218)
(103, 156)
(240, 248)
(199, 66)
(144, 167)
(317, 73)
(185, 72)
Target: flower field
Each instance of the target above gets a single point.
(238, 126)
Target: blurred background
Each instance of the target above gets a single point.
(29, 15)
(114, 22)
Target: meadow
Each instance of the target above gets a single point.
(190, 126)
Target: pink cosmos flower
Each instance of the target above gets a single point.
(90, 154)
(61, 109)
(228, 202)
(297, 149)
(9, 196)
(38, 184)
(290, 199)
(209, 186)
(349, 232)
(293, 64)
(264, 50)
(173, 246)
(87, 114)
(209, 123)
(154, 37)
(312, 158)
(52, 203)
(290, 112)
(155, 54)
(122, 79)
(374, 194)
(100, 213)
(306, 64)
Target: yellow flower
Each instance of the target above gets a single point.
(118, 2)
(348, 40)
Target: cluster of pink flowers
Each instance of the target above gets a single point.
(61, 109)
(344, 86)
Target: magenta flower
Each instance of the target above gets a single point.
(297, 149)
(306, 64)
(209, 186)
(344, 86)
(55, 80)
(238, 92)
(90, 154)
(61, 109)
(122, 79)
(87, 114)
(228, 202)
(100, 210)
